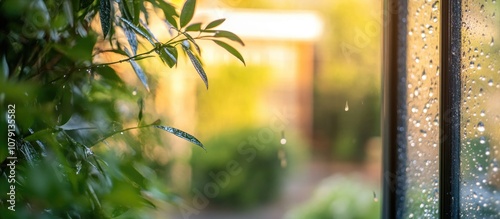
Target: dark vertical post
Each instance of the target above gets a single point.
(449, 194)
(394, 108)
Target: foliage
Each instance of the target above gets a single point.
(78, 156)
(340, 197)
(260, 171)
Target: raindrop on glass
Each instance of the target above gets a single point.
(480, 127)
(482, 140)
(435, 6)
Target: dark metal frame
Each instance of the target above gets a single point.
(394, 108)
(449, 121)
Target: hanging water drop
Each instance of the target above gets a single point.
(490, 82)
(346, 108)
(283, 139)
(375, 199)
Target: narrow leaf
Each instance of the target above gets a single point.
(145, 28)
(138, 70)
(68, 12)
(187, 12)
(215, 23)
(229, 35)
(140, 102)
(4, 68)
(169, 55)
(105, 16)
(181, 134)
(141, 32)
(194, 27)
(137, 11)
(196, 64)
(231, 50)
(190, 38)
(169, 12)
(131, 38)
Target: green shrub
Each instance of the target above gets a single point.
(254, 171)
(346, 197)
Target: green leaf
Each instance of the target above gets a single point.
(138, 70)
(105, 15)
(140, 102)
(131, 38)
(190, 38)
(215, 23)
(4, 68)
(196, 64)
(138, 30)
(68, 12)
(194, 27)
(231, 50)
(169, 55)
(137, 11)
(181, 134)
(187, 12)
(85, 3)
(229, 35)
(169, 12)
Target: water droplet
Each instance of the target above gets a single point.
(346, 108)
(424, 75)
(121, 133)
(134, 92)
(480, 168)
(490, 82)
(482, 140)
(375, 199)
(283, 141)
(492, 42)
(482, 113)
(435, 6)
(480, 127)
(471, 65)
(495, 169)
(417, 59)
(414, 109)
(430, 29)
(478, 66)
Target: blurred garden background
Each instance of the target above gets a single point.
(313, 78)
(293, 133)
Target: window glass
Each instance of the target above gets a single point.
(422, 167)
(480, 110)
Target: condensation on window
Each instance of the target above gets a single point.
(480, 110)
(422, 167)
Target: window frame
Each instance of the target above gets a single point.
(394, 108)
